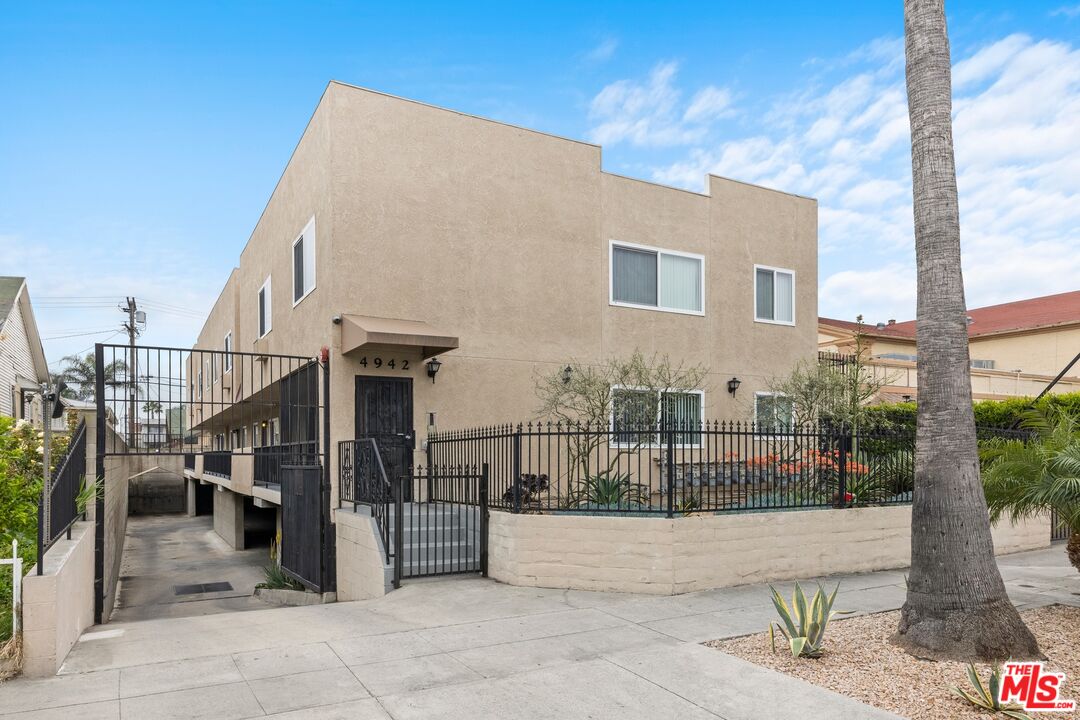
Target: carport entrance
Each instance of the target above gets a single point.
(233, 425)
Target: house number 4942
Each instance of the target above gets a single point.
(392, 363)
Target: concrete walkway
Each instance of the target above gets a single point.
(167, 556)
(470, 648)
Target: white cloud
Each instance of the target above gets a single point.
(1069, 11)
(648, 113)
(603, 51)
(845, 142)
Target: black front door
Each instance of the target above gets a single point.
(384, 411)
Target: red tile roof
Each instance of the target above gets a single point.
(1040, 312)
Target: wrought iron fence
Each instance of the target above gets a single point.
(683, 467)
(59, 511)
(269, 460)
(362, 481)
(1059, 529)
(440, 520)
(218, 462)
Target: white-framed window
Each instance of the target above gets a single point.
(773, 412)
(200, 386)
(774, 295)
(303, 263)
(636, 414)
(265, 314)
(228, 351)
(983, 364)
(656, 279)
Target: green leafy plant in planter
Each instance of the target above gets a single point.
(608, 490)
(276, 579)
(803, 624)
(985, 695)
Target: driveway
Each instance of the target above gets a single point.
(469, 648)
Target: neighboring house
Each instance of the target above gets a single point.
(400, 231)
(22, 359)
(1016, 348)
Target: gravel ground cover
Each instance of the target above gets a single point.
(860, 662)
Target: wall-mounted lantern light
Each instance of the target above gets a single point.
(567, 373)
(433, 366)
(733, 385)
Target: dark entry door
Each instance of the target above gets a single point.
(384, 412)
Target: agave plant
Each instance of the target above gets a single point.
(804, 624)
(1025, 479)
(985, 695)
(609, 489)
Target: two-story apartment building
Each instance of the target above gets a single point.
(401, 233)
(1017, 348)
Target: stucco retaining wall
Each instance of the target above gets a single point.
(361, 569)
(666, 557)
(58, 604)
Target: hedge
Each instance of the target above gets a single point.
(988, 413)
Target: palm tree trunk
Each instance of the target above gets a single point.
(1073, 549)
(956, 604)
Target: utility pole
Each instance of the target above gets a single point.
(133, 332)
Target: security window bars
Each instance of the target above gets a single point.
(772, 412)
(303, 257)
(774, 295)
(646, 277)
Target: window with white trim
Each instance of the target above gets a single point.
(200, 383)
(636, 414)
(645, 277)
(228, 351)
(303, 257)
(773, 412)
(265, 316)
(774, 295)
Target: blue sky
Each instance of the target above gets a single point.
(140, 141)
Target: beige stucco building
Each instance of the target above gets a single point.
(399, 232)
(1016, 348)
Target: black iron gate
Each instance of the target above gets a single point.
(219, 416)
(1059, 530)
(440, 522)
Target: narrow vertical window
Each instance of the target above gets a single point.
(265, 316)
(228, 352)
(303, 260)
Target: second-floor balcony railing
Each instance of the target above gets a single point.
(218, 462)
(271, 458)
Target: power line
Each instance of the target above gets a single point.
(81, 334)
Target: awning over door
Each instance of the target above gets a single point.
(362, 331)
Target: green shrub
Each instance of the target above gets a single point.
(988, 413)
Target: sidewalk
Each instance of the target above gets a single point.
(470, 648)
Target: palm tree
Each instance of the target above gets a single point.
(956, 606)
(152, 407)
(1025, 479)
(80, 374)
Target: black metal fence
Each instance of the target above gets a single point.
(189, 461)
(1059, 529)
(184, 401)
(440, 519)
(682, 468)
(218, 462)
(362, 481)
(269, 460)
(59, 510)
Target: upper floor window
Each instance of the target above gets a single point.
(774, 295)
(646, 277)
(264, 308)
(773, 412)
(983, 364)
(303, 256)
(200, 383)
(228, 352)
